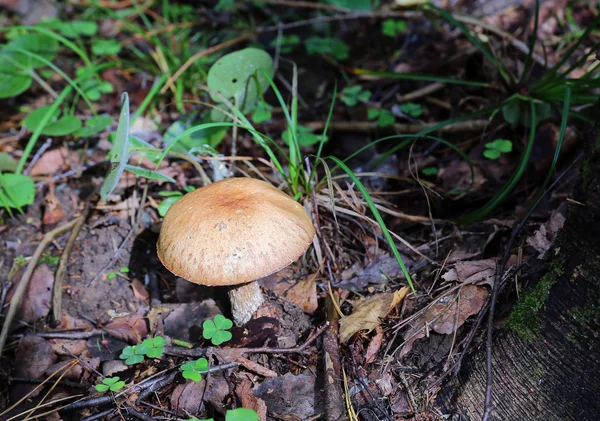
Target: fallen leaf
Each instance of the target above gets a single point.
(139, 290)
(544, 237)
(473, 272)
(367, 313)
(33, 357)
(130, 329)
(304, 294)
(55, 161)
(37, 299)
(446, 315)
(291, 394)
(214, 390)
(374, 345)
(378, 272)
(250, 401)
(74, 346)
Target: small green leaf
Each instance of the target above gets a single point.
(412, 109)
(286, 43)
(111, 275)
(262, 113)
(128, 351)
(241, 414)
(429, 171)
(386, 118)
(101, 388)
(159, 341)
(373, 113)
(222, 322)
(491, 154)
(105, 47)
(13, 80)
(154, 352)
(37, 43)
(190, 365)
(16, 190)
(208, 329)
(149, 174)
(7, 162)
(110, 380)
(304, 135)
(55, 126)
(166, 204)
(332, 46)
(192, 375)
(220, 337)
(201, 365)
(351, 95)
(392, 27)
(239, 75)
(501, 145)
(94, 125)
(119, 154)
(117, 386)
(134, 359)
(124, 270)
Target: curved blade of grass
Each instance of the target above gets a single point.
(416, 76)
(551, 73)
(487, 53)
(378, 218)
(411, 138)
(514, 179)
(561, 136)
(529, 57)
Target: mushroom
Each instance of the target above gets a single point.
(231, 233)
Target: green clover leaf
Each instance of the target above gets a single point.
(217, 329)
(113, 384)
(192, 369)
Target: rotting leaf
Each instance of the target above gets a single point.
(37, 299)
(473, 272)
(446, 315)
(542, 239)
(367, 313)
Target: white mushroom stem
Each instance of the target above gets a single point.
(245, 300)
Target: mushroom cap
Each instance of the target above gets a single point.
(233, 231)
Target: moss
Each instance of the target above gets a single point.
(524, 320)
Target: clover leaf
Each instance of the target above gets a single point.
(154, 346)
(133, 354)
(217, 330)
(113, 384)
(192, 370)
(494, 149)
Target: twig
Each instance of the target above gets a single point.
(88, 403)
(65, 335)
(24, 282)
(62, 265)
(38, 155)
(156, 384)
(139, 415)
(99, 415)
(115, 255)
(369, 126)
(199, 352)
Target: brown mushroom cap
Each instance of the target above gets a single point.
(233, 231)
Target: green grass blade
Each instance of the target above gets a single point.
(487, 53)
(378, 218)
(512, 182)
(529, 57)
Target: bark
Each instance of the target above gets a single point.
(546, 368)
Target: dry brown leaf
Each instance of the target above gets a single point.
(304, 294)
(129, 329)
(38, 297)
(374, 345)
(139, 290)
(446, 315)
(55, 161)
(214, 390)
(473, 272)
(73, 346)
(367, 313)
(250, 401)
(542, 239)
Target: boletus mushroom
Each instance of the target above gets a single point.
(232, 233)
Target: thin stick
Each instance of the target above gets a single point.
(16, 299)
(62, 266)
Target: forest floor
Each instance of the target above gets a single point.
(447, 117)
